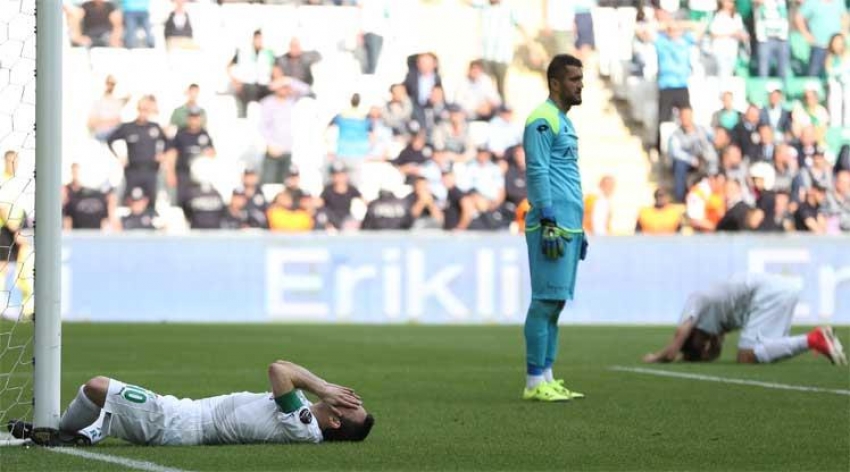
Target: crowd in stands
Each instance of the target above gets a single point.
(776, 159)
(772, 165)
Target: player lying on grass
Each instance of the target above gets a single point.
(761, 306)
(106, 407)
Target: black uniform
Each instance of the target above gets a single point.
(189, 145)
(142, 220)
(338, 205)
(387, 212)
(204, 208)
(144, 143)
(86, 207)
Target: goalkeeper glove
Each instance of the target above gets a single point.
(553, 244)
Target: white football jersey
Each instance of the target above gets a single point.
(241, 418)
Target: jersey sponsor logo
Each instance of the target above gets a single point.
(305, 416)
(543, 128)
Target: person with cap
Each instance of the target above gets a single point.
(140, 216)
(776, 114)
(236, 215)
(146, 144)
(188, 144)
(277, 116)
(662, 217)
(338, 196)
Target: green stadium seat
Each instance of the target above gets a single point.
(794, 88)
(800, 49)
(836, 137)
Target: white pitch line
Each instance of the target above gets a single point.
(131, 463)
(711, 378)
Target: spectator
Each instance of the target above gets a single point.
(722, 137)
(203, 206)
(435, 111)
(766, 144)
(141, 216)
(250, 72)
(818, 174)
(807, 145)
(353, 133)
(837, 206)
(178, 28)
(838, 80)
(180, 115)
(738, 211)
(387, 212)
(484, 181)
(100, 24)
(283, 218)
(706, 203)
(818, 21)
(727, 116)
(745, 134)
(413, 156)
(585, 40)
(374, 25)
(276, 127)
(458, 207)
(808, 216)
(399, 110)
(775, 207)
(236, 215)
(188, 144)
(454, 137)
(381, 141)
(105, 114)
(502, 132)
(809, 112)
(727, 35)
(598, 208)
(297, 63)
(763, 178)
(477, 95)
(422, 76)
(86, 207)
(145, 142)
(338, 196)
(786, 169)
(842, 162)
(735, 168)
(255, 204)
(515, 183)
(433, 169)
(425, 213)
(136, 15)
(691, 149)
(673, 49)
(558, 34)
(661, 218)
(499, 23)
(775, 114)
(770, 18)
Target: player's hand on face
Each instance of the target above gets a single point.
(339, 396)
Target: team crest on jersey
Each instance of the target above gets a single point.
(542, 128)
(154, 133)
(305, 416)
(203, 140)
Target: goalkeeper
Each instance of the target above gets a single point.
(553, 224)
(107, 407)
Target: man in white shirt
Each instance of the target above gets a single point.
(107, 407)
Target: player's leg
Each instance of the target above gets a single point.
(85, 408)
(566, 279)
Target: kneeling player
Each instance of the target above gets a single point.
(106, 407)
(761, 306)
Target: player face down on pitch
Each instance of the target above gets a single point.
(554, 235)
(107, 407)
(762, 307)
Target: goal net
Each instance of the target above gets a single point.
(17, 204)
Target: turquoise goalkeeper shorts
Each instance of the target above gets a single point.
(552, 279)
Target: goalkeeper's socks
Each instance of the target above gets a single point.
(80, 413)
(548, 376)
(534, 376)
(769, 350)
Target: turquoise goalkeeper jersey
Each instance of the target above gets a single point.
(552, 174)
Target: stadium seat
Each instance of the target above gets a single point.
(836, 137)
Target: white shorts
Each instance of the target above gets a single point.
(142, 417)
(771, 313)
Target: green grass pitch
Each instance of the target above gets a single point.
(448, 398)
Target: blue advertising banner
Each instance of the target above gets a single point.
(422, 278)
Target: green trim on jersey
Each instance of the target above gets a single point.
(289, 402)
(549, 112)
